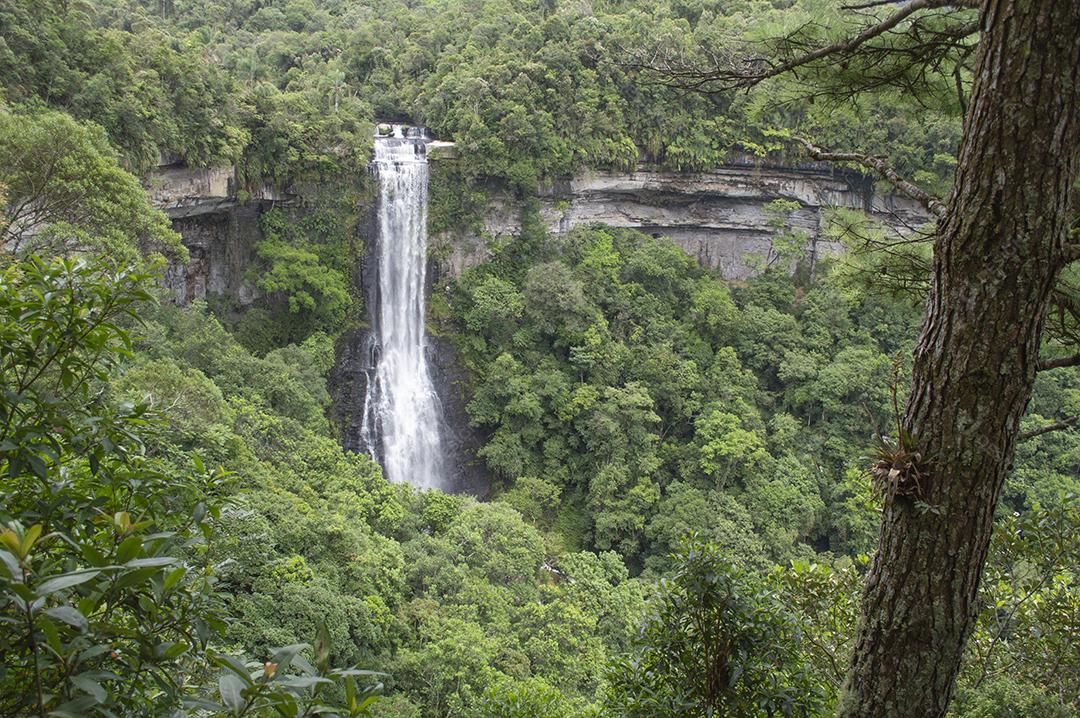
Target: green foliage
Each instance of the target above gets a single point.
(102, 585)
(824, 600)
(62, 191)
(290, 381)
(1007, 697)
(310, 291)
(294, 135)
(193, 402)
(449, 596)
(1044, 470)
(288, 685)
(787, 246)
(306, 260)
(105, 614)
(715, 641)
(149, 92)
(62, 336)
(535, 499)
(529, 92)
(1019, 662)
(644, 391)
(527, 699)
(1023, 654)
(496, 307)
(1020, 659)
(629, 397)
(725, 445)
(107, 587)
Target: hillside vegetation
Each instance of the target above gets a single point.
(681, 511)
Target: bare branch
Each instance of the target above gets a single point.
(1059, 362)
(879, 3)
(932, 204)
(868, 5)
(1072, 246)
(1056, 426)
(1063, 323)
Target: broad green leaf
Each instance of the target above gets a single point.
(302, 681)
(74, 708)
(231, 688)
(66, 580)
(30, 538)
(304, 665)
(94, 652)
(128, 548)
(9, 565)
(93, 556)
(135, 577)
(9, 538)
(150, 562)
(70, 616)
(234, 665)
(174, 650)
(52, 635)
(205, 705)
(90, 685)
(284, 656)
(174, 577)
(359, 672)
(287, 706)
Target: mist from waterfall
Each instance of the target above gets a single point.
(402, 414)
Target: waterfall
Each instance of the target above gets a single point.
(402, 414)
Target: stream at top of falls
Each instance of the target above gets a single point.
(402, 413)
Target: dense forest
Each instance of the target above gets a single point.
(685, 471)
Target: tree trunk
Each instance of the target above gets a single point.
(997, 254)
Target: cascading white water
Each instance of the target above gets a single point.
(401, 407)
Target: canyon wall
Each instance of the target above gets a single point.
(219, 230)
(718, 217)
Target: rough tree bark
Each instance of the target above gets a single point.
(1000, 247)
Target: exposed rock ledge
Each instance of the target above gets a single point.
(218, 229)
(718, 217)
(180, 191)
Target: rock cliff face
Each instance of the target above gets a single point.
(461, 440)
(219, 231)
(718, 217)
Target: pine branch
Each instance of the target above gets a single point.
(898, 52)
(853, 43)
(879, 3)
(868, 5)
(1056, 426)
(1072, 246)
(1058, 362)
(932, 204)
